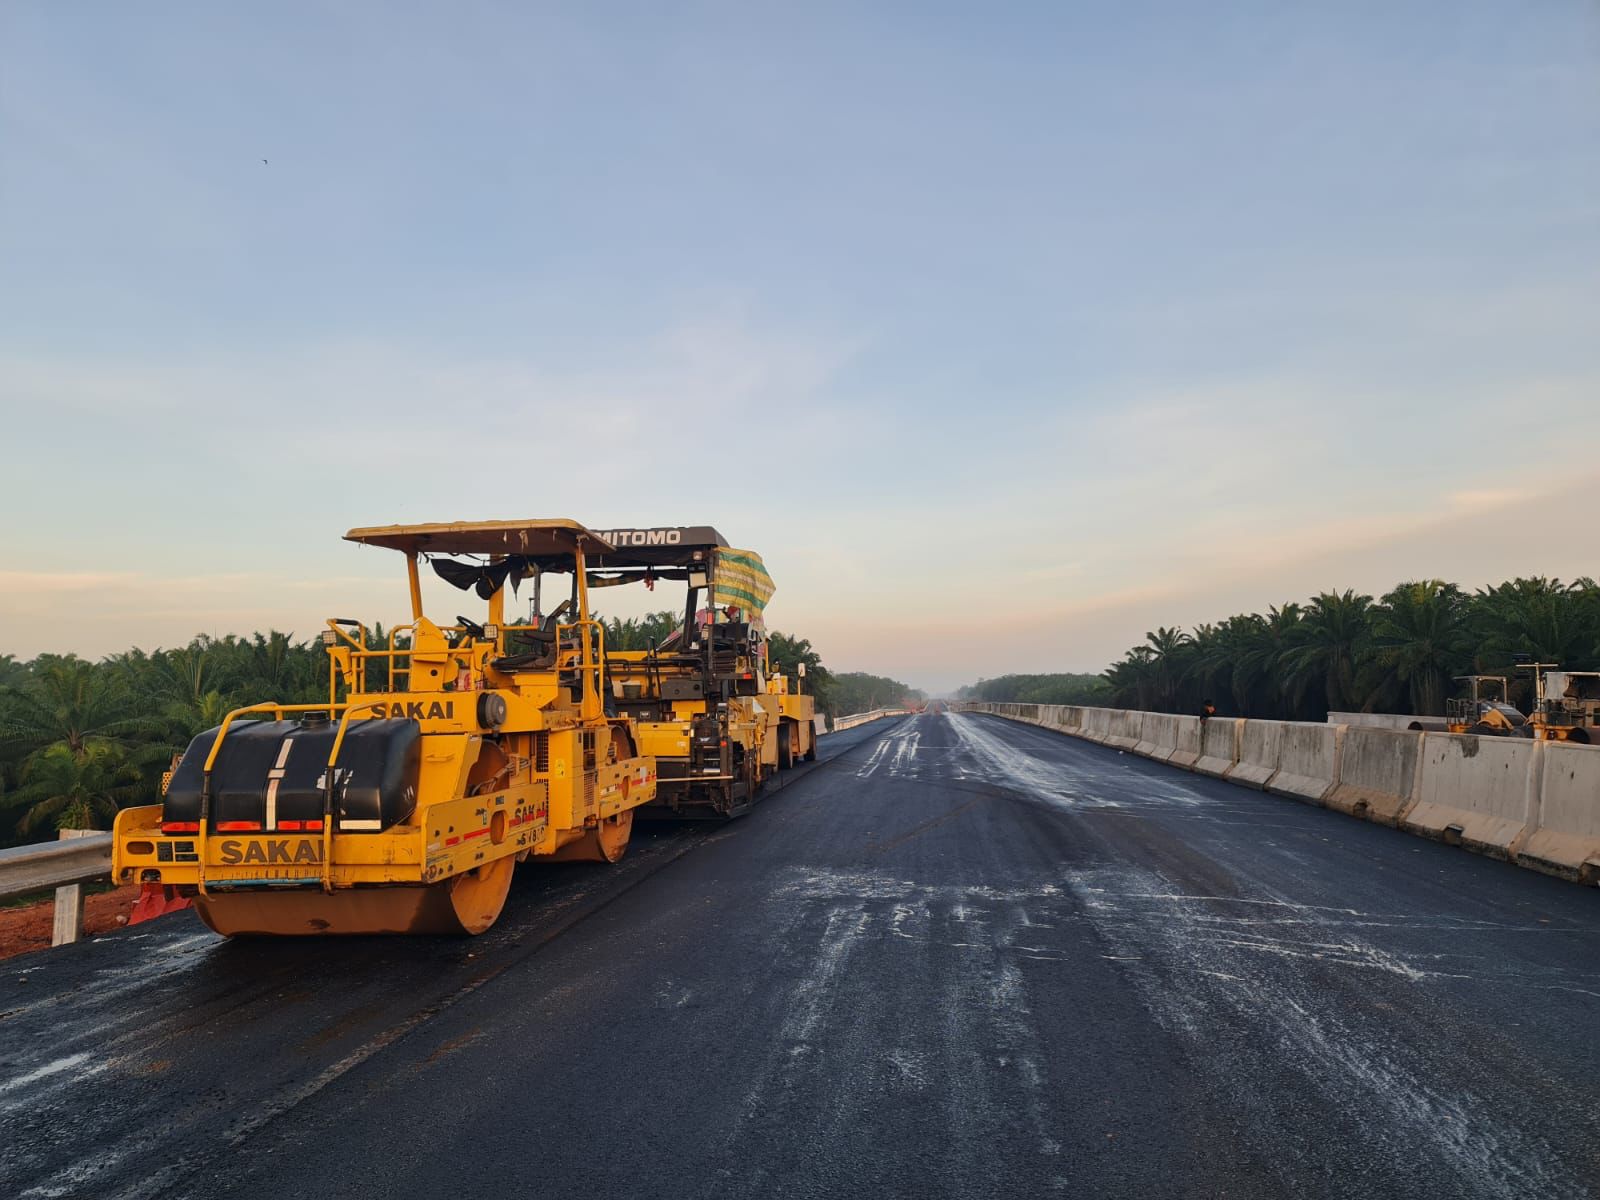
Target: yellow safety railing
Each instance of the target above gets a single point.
(587, 658)
(278, 712)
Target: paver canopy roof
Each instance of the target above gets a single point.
(657, 546)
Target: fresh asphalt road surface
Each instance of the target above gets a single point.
(958, 957)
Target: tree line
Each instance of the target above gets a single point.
(80, 739)
(1343, 651)
(1064, 688)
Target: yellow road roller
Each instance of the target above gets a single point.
(444, 755)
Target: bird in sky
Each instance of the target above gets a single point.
(263, 162)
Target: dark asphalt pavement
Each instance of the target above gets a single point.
(958, 957)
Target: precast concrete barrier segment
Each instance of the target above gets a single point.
(1169, 738)
(1186, 735)
(1157, 738)
(1097, 724)
(1308, 761)
(1566, 841)
(1377, 773)
(1478, 792)
(1533, 803)
(1219, 746)
(840, 724)
(1259, 745)
(1123, 729)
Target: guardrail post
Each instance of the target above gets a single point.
(68, 924)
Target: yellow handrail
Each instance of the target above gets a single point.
(327, 799)
(278, 710)
(590, 664)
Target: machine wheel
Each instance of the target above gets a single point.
(471, 902)
(606, 842)
(468, 903)
(785, 749)
(811, 750)
(1484, 729)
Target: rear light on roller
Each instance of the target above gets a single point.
(238, 826)
(300, 826)
(180, 827)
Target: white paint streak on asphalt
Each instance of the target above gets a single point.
(1240, 998)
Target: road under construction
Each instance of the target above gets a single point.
(956, 956)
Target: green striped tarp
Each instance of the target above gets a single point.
(742, 580)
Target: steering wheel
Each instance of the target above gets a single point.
(472, 627)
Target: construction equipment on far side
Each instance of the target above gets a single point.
(1569, 706)
(441, 759)
(1487, 710)
(1566, 706)
(708, 703)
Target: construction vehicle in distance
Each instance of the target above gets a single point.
(1487, 710)
(440, 760)
(707, 703)
(1569, 706)
(1566, 706)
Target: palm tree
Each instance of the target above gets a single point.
(789, 652)
(1169, 648)
(74, 789)
(69, 701)
(1420, 640)
(1266, 643)
(1224, 658)
(1330, 647)
(1132, 680)
(1543, 618)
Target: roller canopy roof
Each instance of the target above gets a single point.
(531, 539)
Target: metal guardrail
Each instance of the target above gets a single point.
(82, 856)
(38, 868)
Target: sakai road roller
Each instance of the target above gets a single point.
(708, 703)
(444, 755)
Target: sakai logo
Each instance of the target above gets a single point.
(644, 537)
(281, 852)
(416, 710)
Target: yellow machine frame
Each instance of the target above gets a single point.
(518, 761)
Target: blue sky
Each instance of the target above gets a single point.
(1038, 325)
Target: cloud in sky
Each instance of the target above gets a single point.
(1003, 340)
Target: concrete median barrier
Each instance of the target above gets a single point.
(1566, 838)
(1124, 728)
(1308, 761)
(1157, 736)
(1169, 738)
(1259, 744)
(1097, 724)
(1185, 742)
(1536, 804)
(1377, 774)
(1219, 746)
(1477, 792)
